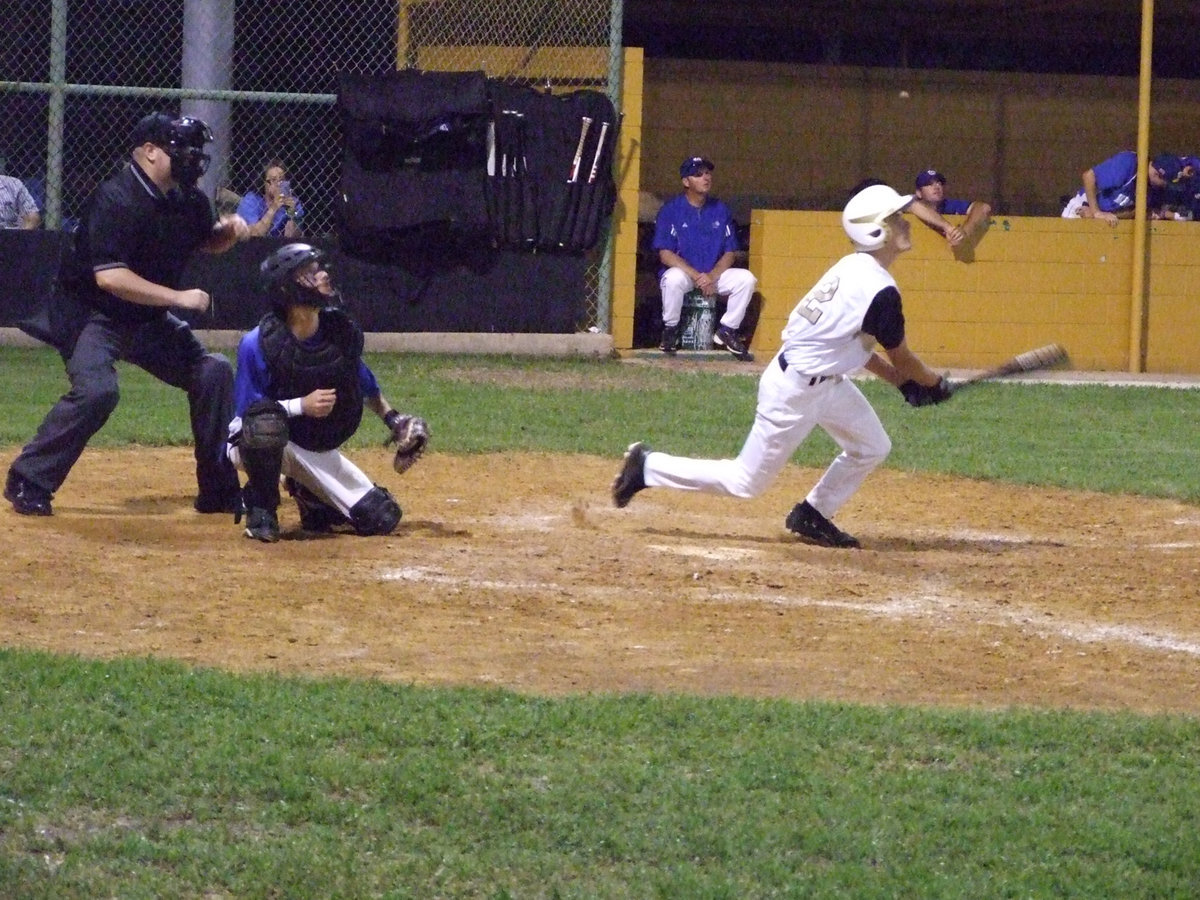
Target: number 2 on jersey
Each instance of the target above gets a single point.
(810, 306)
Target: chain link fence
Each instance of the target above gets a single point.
(74, 77)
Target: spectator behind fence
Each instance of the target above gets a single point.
(1110, 188)
(695, 238)
(18, 209)
(932, 205)
(276, 211)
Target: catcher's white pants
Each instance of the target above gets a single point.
(736, 284)
(788, 409)
(327, 473)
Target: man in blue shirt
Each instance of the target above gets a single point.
(1110, 188)
(931, 205)
(696, 241)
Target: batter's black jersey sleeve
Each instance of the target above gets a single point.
(130, 223)
(884, 320)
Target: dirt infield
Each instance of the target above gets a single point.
(515, 570)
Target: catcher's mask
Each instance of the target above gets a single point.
(278, 273)
(183, 139)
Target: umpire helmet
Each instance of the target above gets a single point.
(865, 214)
(277, 274)
(182, 138)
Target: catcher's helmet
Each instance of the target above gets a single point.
(277, 272)
(182, 138)
(865, 214)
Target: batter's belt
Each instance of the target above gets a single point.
(813, 380)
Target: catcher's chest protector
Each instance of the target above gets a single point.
(329, 360)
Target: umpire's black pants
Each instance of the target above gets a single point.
(166, 348)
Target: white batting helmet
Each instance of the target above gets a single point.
(865, 214)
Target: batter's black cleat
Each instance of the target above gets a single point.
(26, 497)
(670, 339)
(813, 527)
(630, 479)
(262, 525)
(316, 515)
(732, 341)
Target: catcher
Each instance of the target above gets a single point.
(299, 394)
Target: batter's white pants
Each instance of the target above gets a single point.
(788, 409)
(327, 473)
(736, 284)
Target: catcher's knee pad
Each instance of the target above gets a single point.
(264, 426)
(376, 513)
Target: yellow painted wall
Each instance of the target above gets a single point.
(624, 219)
(1032, 281)
(798, 137)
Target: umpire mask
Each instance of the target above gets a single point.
(185, 145)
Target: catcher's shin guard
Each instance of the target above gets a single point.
(261, 443)
(376, 513)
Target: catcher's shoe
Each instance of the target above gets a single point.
(26, 497)
(630, 479)
(316, 515)
(670, 339)
(732, 341)
(813, 527)
(262, 525)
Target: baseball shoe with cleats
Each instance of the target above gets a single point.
(630, 479)
(262, 525)
(732, 341)
(805, 521)
(26, 497)
(670, 339)
(316, 515)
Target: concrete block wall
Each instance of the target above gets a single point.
(1030, 281)
(798, 137)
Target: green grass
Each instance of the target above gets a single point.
(140, 778)
(149, 779)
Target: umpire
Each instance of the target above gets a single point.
(138, 232)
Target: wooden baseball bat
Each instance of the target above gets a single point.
(583, 130)
(1035, 360)
(599, 150)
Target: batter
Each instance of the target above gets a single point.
(831, 333)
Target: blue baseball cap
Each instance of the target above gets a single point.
(1169, 165)
(695, 165)
(929, 176)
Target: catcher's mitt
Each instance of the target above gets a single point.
(410, 434)
(924, 395)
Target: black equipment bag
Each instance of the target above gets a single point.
(414, 148)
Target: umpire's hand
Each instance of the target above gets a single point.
(194, 299)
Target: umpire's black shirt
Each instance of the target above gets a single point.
(130, 223)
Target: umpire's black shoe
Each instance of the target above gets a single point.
(630, 479)
(219, 503)
(813, 527)
(26, 497)
(262, 525)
